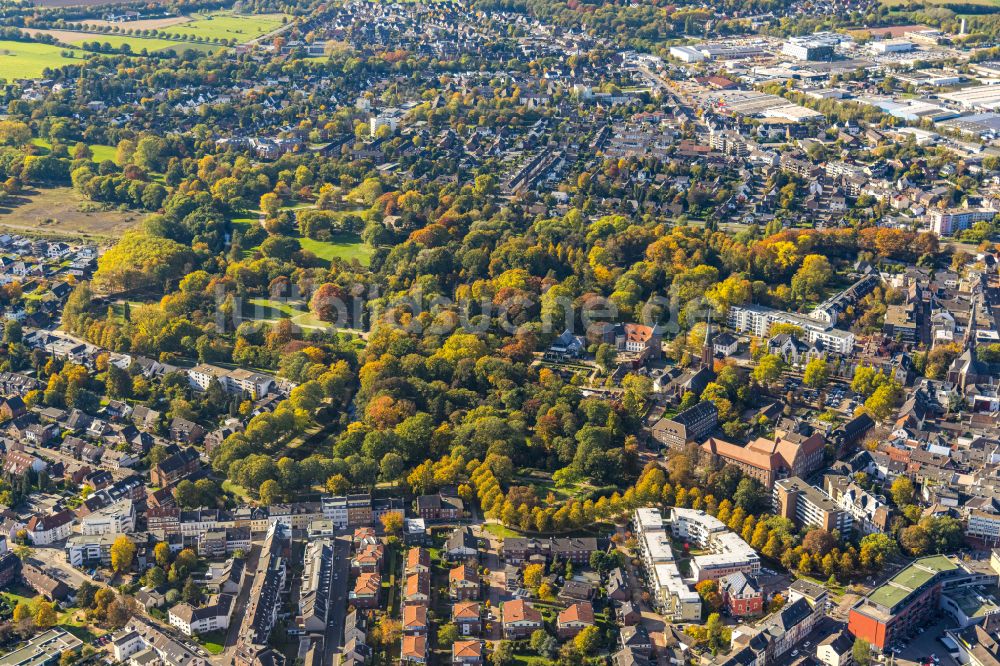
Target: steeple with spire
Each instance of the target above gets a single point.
(707, 355)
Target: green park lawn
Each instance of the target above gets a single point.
(28, 60)
(100, 151)
(236, 489)
(16, 594)
(500, 531)
(266, 309)
(341, 246)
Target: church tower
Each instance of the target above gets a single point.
(707, 354)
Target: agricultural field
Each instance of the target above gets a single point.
(198, 32)
(137, 44)
(939, 3)
(71, 3)
(27, 60)
(62, 212)
(226, 25)
(145, 24)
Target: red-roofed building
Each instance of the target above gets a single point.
(574, 619)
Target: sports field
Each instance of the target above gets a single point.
(27, 60)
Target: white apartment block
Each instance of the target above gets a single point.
(196, 523)
(757, 320)
(212, 617)
(670, 592)
(118, 518)
(730, 554)
(335, 510)
(870, 514)
(984, 526)
(947, 222)
(237, 381)
(87, 551)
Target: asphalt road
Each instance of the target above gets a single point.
(338, 598)
(53, 560)
(233, 633)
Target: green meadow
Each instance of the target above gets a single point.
(28, 60)
(226, 25)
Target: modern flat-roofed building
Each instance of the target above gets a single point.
(118, 518)
(983, 525)
(757, 320)
(729, 553)
(906, 602)
(43, 649)
(819, 46)
(805, 505)
(946, 222)
(671, 594)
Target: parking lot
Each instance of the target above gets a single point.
(925, 647)
(838, 396)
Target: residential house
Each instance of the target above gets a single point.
(366, 591)
(417, 588)
(467, 652)
(414, 649)
(617, 586)
(19, 463)
(836, 650)
(47, 529)
(519, 619)
(573, 619)
(741, 594)
(213, 616)
(439, 507)
(462, 544)
(415, 619)
(186, 432)
(41, 582)
(463, 582)
(175, 467)
(466, 616)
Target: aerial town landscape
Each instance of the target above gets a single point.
(499, 332)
